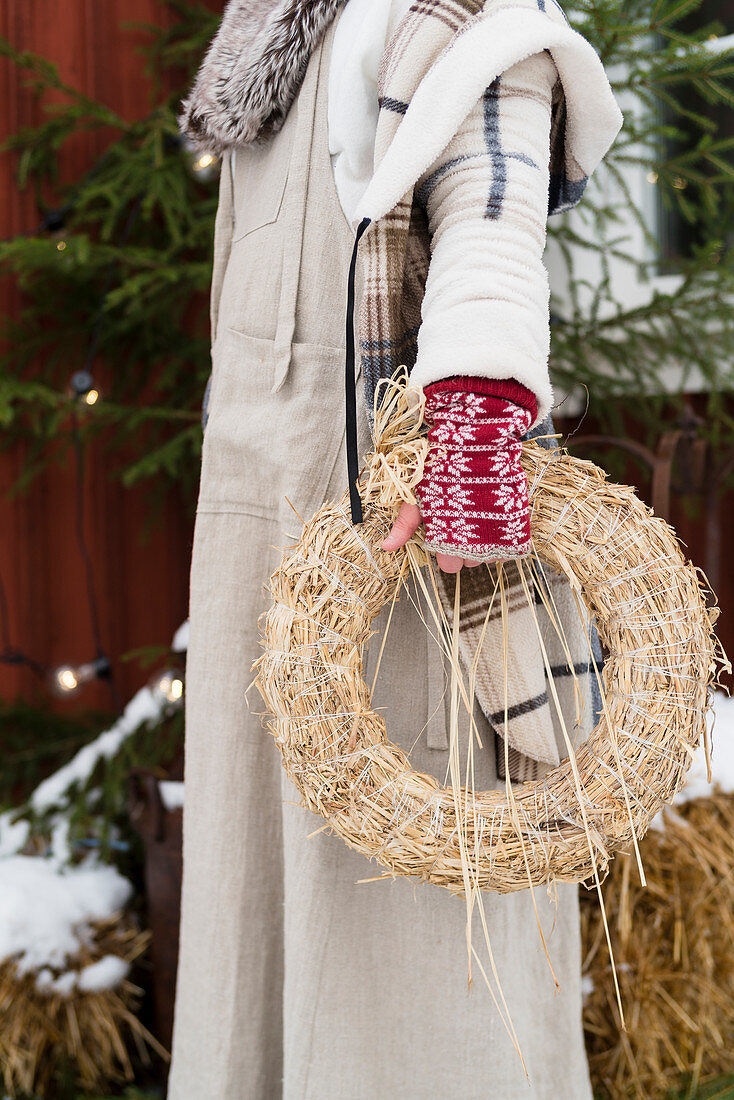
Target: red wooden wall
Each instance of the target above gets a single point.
(142, 586)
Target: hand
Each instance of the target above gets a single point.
(473, 495)
(405, 526)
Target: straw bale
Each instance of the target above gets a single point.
(44, 1033)
(673, 946)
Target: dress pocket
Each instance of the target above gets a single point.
(261, 449)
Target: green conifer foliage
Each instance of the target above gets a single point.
(671, 70)
(123, 281)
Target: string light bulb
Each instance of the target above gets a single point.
(67, 679)
(203, 164)
(82, 387)
(167, 687)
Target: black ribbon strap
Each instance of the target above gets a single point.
(355, 502)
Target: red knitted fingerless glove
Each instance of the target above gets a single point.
(474, 494)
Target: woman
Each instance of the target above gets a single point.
(443, 131)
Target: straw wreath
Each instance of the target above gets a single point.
(622, 562)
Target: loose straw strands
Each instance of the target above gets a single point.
(623, 563)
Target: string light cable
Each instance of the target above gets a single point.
(10, 654)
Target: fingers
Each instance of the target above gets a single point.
(449, 563)
(406, 524)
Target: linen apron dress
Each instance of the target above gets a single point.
(295, 981)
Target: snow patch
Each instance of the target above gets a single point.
(46, 911)
(180, 641)
(13, 834)
(107, 973)
(143, 707)
(720, 721)
(172, 793)
(721, 733)
(60, 849)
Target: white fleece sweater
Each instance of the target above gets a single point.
(485, 311)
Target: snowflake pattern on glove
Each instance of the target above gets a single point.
(474, 493)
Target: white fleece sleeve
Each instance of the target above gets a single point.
(486, 305)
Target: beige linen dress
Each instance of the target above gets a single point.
(295, 980)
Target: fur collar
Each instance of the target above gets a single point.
(253, 69)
